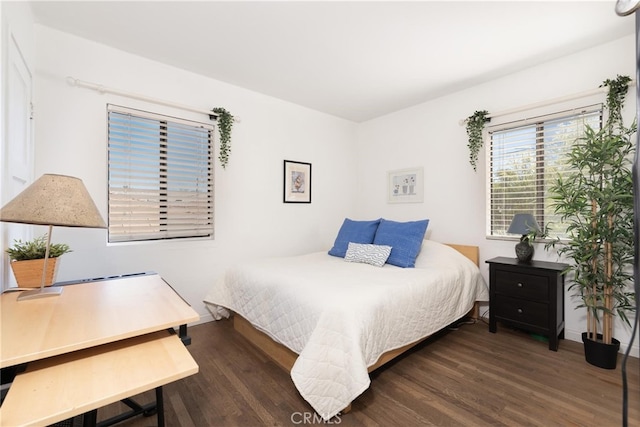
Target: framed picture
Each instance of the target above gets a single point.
(297, 182)
(405, 186)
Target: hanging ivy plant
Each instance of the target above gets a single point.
(475, 125)
(225, 123)
(615, 98)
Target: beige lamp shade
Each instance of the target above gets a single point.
(58, 200)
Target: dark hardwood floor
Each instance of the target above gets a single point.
(463, 377)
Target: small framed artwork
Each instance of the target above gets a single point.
(405, 186)
(297, 182)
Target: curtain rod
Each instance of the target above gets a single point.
(548, 102)
(103, 89)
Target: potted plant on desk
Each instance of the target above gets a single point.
(596, 204)
(27, 261)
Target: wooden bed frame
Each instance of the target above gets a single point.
(284, 357)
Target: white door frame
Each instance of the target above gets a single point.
(17, 156)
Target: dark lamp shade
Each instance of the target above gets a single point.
(57, 200)
(523, 223)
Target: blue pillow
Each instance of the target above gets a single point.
(405, 238)
(353, 231)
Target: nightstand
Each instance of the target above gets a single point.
(529, 296)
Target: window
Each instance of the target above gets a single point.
(526, 159)
(160, 177)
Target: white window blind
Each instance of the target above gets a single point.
(160, 177)
(526, 158)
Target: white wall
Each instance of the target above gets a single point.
(251, 219)
(429, 135)
(350, 161)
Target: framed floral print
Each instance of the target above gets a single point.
(405, 186)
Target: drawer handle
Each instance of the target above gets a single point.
(519, 285)
(519, 311)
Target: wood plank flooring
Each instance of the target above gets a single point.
(463, 377)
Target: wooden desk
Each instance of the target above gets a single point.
(87, 315)
(57, 388)
(87, 334)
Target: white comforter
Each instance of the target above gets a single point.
(340, 316)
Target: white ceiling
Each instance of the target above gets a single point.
(353, 59)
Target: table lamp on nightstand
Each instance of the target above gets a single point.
(52, 200)
(523, 224)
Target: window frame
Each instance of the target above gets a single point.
(192, 140)
(540, 196)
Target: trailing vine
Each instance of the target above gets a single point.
(475, 126)
(615, 98)
(225, 124)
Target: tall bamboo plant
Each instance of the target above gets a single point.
(596, 203)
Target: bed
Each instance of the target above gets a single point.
(331, 322)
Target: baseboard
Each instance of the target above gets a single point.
(204, 318)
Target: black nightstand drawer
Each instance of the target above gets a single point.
(522, 285)
(528, 295)
(522, 311)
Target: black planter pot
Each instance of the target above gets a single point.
(600, 354)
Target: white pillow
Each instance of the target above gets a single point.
(367, 253)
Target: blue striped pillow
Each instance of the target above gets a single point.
(367, 253)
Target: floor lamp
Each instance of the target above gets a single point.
(58, 200)
(624, 8)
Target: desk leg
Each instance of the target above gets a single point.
(89, 419)
(156, 407)
(182, 333)
(160, 406)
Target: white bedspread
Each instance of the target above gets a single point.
(340, 316)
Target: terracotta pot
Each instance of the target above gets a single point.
(28, 273)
